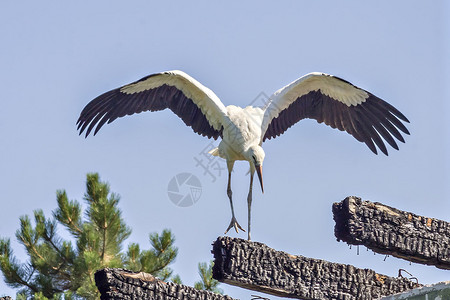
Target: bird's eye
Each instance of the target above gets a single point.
(254, 158)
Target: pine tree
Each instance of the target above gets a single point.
(59, 267)
(207, 282)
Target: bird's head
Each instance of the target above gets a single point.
(255, 155)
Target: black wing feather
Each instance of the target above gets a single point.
(116, 104)
(369, 122)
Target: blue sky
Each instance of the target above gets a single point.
(57, 56)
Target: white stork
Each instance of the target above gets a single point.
(319, 96)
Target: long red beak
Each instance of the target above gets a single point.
(259, 172)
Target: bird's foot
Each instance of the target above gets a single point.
(234, 223)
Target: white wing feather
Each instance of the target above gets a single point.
(203, 97)
(329, 85)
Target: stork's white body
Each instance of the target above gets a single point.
(241, 129)
(319, 96)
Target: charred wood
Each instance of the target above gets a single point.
(388, 230)
(255, 266)
(124, 284)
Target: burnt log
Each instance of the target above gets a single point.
(255, 266)
(388, 230)
(125, 284)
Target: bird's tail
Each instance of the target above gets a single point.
(214, 152)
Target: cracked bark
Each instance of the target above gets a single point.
(255, 266)
(388, 230)
(125, 284)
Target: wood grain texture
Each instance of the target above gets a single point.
(388, 230)
(255, 266)
(125, 284)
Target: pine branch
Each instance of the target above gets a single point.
(207, 282)
(11, 270)
(28, 237)
(106, 217)
(103, 241)
(133, 256)
(163, 253)
(30, 273)
(68, 213)
(42, 255)
(55, 266)
(48, 234)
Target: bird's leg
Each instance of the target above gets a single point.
(233, 222)
(249, 202)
